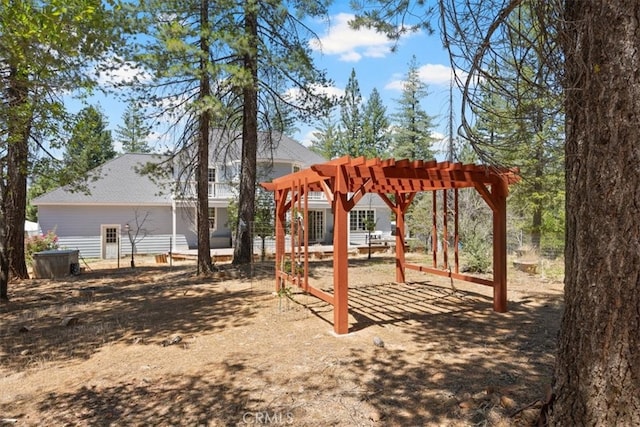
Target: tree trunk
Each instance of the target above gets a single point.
(243, 251)
(18, 128)
(4, 255)
(202, 169)
(17, 155)
(597, 376)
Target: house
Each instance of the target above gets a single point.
(125, 208)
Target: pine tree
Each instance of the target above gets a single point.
(90, 144)
(326, 139)
(351, 135)
(46, 47)
(228, 62)
(375, 127)
(528, 134)
(411, 124)
(133, 133)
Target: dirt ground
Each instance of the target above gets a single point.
(159, 346)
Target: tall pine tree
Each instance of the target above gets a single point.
(215, 64)
(375, 127)
(526, 130)
(326, 139)
(48, 48)
(132, 134)
(90, 144)
(351, 135)
(412, 126)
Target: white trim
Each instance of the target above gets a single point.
(215, 218)
(173, 225)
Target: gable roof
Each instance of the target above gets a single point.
(118, 182)
(227, 146)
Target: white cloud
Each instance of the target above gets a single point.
(331, 91)
(307, 138)
(351, 45)
(396, 83)
(436, 74)
(115, 72)
(295, 96)
(431, 74)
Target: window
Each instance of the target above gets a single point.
(295, 168)
(358, 219)
(212, 218)
(111, 235)
(211, 177)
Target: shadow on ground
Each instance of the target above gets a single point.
(464, 361)
(443, 357)
(61, 320)
(185, 400)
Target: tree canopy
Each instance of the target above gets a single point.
(134, 131)
(239, 66)
(46, 49)
(537, 55)
(412, 125)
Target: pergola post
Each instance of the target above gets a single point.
(340, 265)
(400, 258)
(402, 204)
(434, 228)
(499, 196)
(340, 253)
(280, 219)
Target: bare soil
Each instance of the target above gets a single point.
(158, 345)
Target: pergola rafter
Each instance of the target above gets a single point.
(344, 181)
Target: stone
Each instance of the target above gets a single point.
(376, 416)
(466, 405)
(377, 341)
(171, 341)
(507, 402)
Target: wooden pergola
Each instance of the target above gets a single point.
(344, 181)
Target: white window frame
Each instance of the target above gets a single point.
(215, 218)
(354, 215)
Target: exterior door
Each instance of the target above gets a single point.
(316, 226)
(110, 241)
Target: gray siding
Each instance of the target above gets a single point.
(87, 220)
(90, 246)
(221, 236)
(186, 224)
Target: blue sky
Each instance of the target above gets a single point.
(341, 49)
